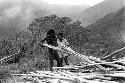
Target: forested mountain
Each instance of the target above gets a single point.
(110, 27)
(92, 14)
(105, 35)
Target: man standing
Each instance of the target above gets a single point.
(51, 39)
(62, 42)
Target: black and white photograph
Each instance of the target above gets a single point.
(62, 41)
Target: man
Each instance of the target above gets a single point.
(62, 42)
(51, 39)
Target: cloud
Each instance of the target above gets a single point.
(18, 14)
(14, 11)
(74, 2)
(21, 12)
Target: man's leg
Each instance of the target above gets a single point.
(66, 60)
(51, 65)
(58, 59)
(51, 58)
(61, 61)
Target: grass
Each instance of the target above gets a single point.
(4, 73)
(20, 68)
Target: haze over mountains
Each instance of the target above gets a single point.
(98, 11)
(73, 11)
(17, 14)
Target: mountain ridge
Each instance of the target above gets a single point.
(110, 26)
(98, 11)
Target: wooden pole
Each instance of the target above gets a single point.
(87, 59)
(110, 55)
(70, 51)
(8, 57)
(110, 64)
(46, 76)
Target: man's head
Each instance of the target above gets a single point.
(60, 36)
(51, 32)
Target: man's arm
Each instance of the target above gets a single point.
(66, 42)
(42, 42)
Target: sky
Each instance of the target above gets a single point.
(74, 2)
(68, 2)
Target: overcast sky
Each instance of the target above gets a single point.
(74, 2)
(67, 2)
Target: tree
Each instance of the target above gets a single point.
(39, 26)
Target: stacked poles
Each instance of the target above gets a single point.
(9, 57)
(79, 77)
(105, 63)
(70, 51)
(110, 55)
(89, 60)
(70, 77)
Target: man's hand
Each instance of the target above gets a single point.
(41, 43)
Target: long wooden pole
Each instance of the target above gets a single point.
(46, 76)
(110, 55)
(70, 51)
(88, 59)
(8, 57)
(76, 67)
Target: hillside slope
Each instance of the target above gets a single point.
(104, 36)
(98, 11)
(110, 27)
